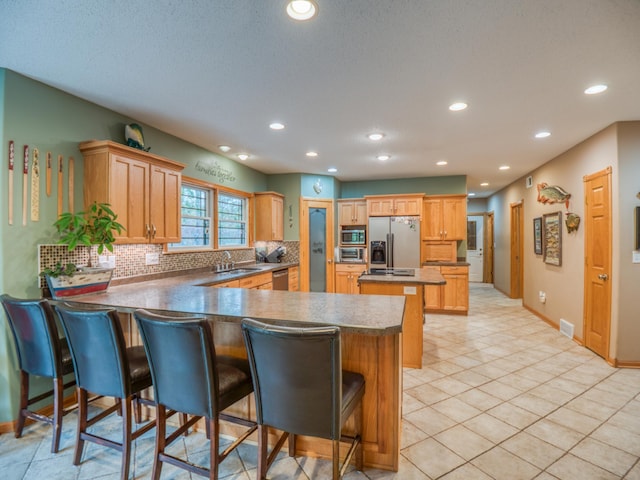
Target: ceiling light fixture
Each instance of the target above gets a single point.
(302, 9)
(224, 148)
(332, 170)
(543, 134)
(383, 158)
(471, 194)
(375, 136)
(456, 107)
(594, 89)
(276, 126)
(441, 163)
(484, 184)
(311, 154)
(243, 156)
(505, 167)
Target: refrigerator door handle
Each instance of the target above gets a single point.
(390, 248)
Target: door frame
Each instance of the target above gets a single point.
(488, 246)
(305, 205)
(517, 249)
(484, 240)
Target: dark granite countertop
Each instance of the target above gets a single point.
(365, 314)
(423, 276)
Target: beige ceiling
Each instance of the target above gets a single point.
(219, 71)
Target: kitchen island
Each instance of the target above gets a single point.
(410, 284)
(371, 329)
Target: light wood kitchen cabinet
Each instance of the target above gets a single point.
(352, 212)
(347, 277)
(229, 284)
(262, 281)
(269, 214)
(142, 189)
(400, 205)
(453, 297)
(444, 217)
(294, 284)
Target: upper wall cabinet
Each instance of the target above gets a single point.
(444, 217)
(352, 212)
(269, 216)
(390, 205)
(143, 190)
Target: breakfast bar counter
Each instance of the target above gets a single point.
(371, 329)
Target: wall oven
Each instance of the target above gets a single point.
(353, 236)
(352, 254)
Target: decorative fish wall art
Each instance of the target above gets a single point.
(572, 222)
(552, 194)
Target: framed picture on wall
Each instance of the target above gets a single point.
(537, 235)
(637, 228)
(552, 237)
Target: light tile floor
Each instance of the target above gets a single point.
(502, 396)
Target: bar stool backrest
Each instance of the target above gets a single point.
(35, 334)
(297, 377)
(181, 357)
(98, 350)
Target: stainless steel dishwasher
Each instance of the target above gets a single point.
(280, 279)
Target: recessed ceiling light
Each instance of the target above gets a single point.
(471, 194)
(543, 134)
(593, 89)
(332, 170)
(302, 9)
(224, 148)
(382, 158)
(505, 167)
(311, 154)
(375, 136)
(441, 163)
(456, 107)
(484, 184)
(276, 126)
(243, 156)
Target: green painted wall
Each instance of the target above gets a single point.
(40, 116)
(427, 185)
(288, 185)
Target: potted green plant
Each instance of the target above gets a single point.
(95, 226)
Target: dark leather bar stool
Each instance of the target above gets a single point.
(105, 366)
(188, 377)
(301, 389)
(43, 353)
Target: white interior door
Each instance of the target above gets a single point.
(475, 256)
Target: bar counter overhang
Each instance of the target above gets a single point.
(371, 327)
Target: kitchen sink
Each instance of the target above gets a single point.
(238, 270)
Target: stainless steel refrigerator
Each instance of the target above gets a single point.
(394, 242)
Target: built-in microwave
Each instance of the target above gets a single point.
(352, 254)
(353, 236)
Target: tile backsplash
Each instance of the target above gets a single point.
(131, 259)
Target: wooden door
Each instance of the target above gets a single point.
(597, 251)
(454, 218)
(129, 198)
(488, 249)
(432, 219)
(307, 207)
(164, 205)
(475, 247)
(517, 267)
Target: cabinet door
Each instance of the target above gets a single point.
(454, 218)
(269, 217)
(129, 197)
(433, 297)
(456, 293)
(343, 280)
(293, 279)
(407, 206)
(165, 212)
(432, 219)
(380, 207)
(360, 212)
(277, 210)
(346, 214)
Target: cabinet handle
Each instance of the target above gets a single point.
(154, 231)
(148, 231)
(445, 234)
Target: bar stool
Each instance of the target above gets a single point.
(188, 377)
(301, 389)
(105, 366)
(40, 352)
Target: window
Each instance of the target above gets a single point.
(472, 237)
(232, 220)
(196, 218)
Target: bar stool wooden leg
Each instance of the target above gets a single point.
(82, 424)
(336, 459)
(161, 430)
(263, 462)
(24, 402)
(58, 412)
(126, 436)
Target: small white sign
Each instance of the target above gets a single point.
(636, 257)
(409, 290)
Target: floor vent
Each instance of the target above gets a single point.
(566, 328)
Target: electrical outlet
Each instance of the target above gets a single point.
(542, 296)
(107, 261)
(152, 259)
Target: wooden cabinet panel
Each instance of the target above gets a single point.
(142, 189)
(347, 277)
(255, 281)
(229, 284)
(352, 212)
(294, 284)
(269, 213)
(383, 206)
(444, 217)
(453, 297)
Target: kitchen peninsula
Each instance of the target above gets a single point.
(371, 331)
(409, 283)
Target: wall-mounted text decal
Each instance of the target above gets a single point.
(216, 170)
